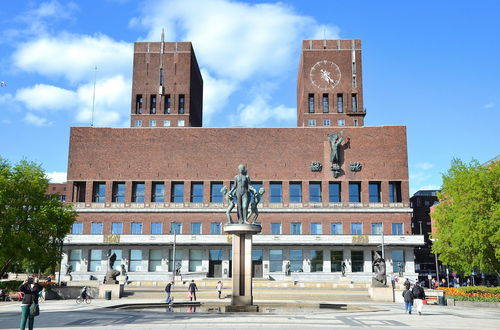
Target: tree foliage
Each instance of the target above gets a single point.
(468, 218)
(32, 224)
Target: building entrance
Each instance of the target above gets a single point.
(257, 269)
(215, 268)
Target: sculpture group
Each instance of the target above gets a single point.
(245, 197)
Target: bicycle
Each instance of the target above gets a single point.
(80, 300)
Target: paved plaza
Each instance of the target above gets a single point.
(68, 315)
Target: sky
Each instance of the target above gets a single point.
(432, 66)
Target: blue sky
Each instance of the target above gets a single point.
(430, 65)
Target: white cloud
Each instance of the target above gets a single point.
(216, 93)
(45, 97)
(35, 120)
(259, 111)
(430, 187)
(52, 10)
(6, 121)
(424, 166)
(419, 177)
(489, 105)
(74, 57)
(57, 177)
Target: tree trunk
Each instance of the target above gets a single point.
(5, 267)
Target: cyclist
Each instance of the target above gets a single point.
(84, 295)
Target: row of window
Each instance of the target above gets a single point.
(327, 122)
(275, 192)
(166, 123)
(153, 108)
(296, 260)
(136, 228)
(326, 107)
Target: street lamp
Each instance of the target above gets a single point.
(174, 268)
(436, 258)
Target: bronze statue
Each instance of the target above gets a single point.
(254, 211)
(111, 274)
(334, 141)
(69, 269)
(241, 191)
(380, 270)
(230, 203)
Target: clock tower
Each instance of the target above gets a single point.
(329, 84)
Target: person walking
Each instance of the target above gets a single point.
(219, 287)
(168, 290)
(30, 288)
(408, 298)
(418, 296)
(192, 290)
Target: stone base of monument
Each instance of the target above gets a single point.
(381, 294)
(122, 279)
(242, 297)
(116, 290)
(66, 278)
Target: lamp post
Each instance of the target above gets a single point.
(174, 268)
(436, 259)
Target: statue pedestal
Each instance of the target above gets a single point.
(66, 278)
(242, 298)
(122, 279)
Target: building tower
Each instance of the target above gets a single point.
(329, 84)
(167, 87)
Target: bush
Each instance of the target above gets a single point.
(10, 286)
(473, 293)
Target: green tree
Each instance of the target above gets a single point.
(468, 218)
(32, 224)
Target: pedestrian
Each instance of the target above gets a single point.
(168, 290)
(219, 287)
(443, 282)
(192, 290)
(407, 284)
(29, 305)
(418, 296)
(408, 298)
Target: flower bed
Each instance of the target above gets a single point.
(473, 293)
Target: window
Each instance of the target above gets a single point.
(118, 192)
(176, 228)
(99, 192)
(138, 123)
(166, 123)
(377, 228)
(275, 228)
(196, 192)
(397, 229)
(138, 192)
(295, 192)
(398, 260)
(311, 122)
(311, 103)
(257, 255)
(341, 122)
(336, 228)
(316, 228)
(136, 228)
(215, 228)
(118, 261)
(296, 228)
(326, 122)
(180, 123)
(96, 228)
(75, 259)
(181, 104)
(215, 192)
(77, 228)
(158, 195)
(161, 76)
(357, 261)
(374, 192)
(356, 228)
(116, 228)
(325, 103)
(152, 104)
(177, 192)
(152, 123)
(195, 228)
(95, 260)
(395, 192)
(316, 260)
(276, 192)
(340, 103)
(168, 108)
(155, 257)
(135, 264)
(354, 103)
(138, 104)
(354, 192)
(178, 259)
(156, 228)
(296, 261)
(195, 258)
(215, 255)
(336, 258)
(353, 68)
(334, 192)
(315, 192)
(275, 260)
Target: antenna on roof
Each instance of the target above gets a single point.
(162, 40)
(93, 98)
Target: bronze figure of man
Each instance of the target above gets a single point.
(335, 141)
(240, 190)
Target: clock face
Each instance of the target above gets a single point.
(325, 75)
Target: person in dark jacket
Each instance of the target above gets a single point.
(418, 296)
(168, 290)
(30, 288)
(192, 290)
(408, 298)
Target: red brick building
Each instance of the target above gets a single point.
(134, 187)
